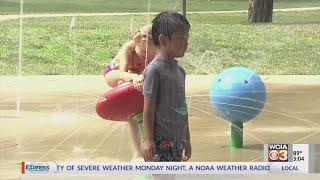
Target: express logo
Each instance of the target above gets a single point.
(278, 152)
(37, 168)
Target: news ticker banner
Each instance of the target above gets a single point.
(279, 158)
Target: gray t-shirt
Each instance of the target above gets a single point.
(164, 81)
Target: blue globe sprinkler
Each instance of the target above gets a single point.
(238, 95)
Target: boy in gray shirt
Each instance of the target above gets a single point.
(166, 126)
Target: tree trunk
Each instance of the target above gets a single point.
(184, 8)
(260, 11)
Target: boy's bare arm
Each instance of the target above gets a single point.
(188, 133)
(148, 117)
(187, 150)
(148, 122)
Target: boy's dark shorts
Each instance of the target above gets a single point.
(165, 152)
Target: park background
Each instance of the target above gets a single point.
(290, 45)
(52, 54)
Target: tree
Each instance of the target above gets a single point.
(184, 8)
(260, 11)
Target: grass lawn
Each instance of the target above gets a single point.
(291, 45)
(72, 6)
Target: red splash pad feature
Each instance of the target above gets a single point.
(120, 103)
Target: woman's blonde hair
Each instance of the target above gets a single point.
(138, 35)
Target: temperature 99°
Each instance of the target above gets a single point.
(296, 153)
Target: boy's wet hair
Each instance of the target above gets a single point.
(167, 23)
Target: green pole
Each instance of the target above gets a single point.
(138, 118)
(236, 140)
